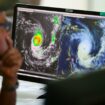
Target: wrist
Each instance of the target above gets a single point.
(9, 84)
(9, 81)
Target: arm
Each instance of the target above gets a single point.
(9, 65)
(8, 97)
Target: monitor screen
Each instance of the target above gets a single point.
(56, 43)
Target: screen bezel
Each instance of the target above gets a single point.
(37, 77)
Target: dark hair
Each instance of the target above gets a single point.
(7, 4)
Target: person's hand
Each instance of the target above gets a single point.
(10, 61)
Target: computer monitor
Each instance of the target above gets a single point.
(56, 42)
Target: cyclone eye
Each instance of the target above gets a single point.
(37, 40)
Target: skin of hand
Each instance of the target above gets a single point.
(10, 61)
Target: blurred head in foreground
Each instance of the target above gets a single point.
(7, 4)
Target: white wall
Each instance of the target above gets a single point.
(72, 4)
(97, 5)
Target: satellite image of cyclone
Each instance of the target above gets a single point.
(36, 38)
(60, 45)
(82, 43)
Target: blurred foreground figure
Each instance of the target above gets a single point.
(10, 62)
(10, 59)
(80, 89)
